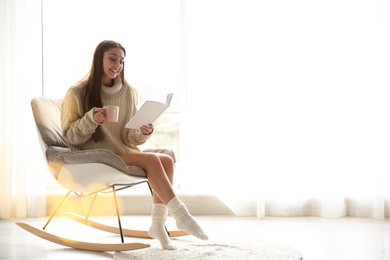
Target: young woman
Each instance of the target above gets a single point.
(85, 126)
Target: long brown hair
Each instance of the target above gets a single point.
(93, 88)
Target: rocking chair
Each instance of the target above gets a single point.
(85, 173)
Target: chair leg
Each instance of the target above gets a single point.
(55, 211)
(150, 188)
(90, 207)
(117, 214)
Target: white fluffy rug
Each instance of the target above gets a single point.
(187, 249)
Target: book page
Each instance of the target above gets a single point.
(148, 113)
(169, 98)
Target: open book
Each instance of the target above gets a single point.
(148, 113)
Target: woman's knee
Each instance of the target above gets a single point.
(159, 160)
(169, 166)
(152, 159)
(166, 160)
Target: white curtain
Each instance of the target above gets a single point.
(288, 106)
(21, 177)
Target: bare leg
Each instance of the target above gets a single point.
(159, 169)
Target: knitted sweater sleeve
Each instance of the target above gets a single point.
(134, 137)
(77, 129)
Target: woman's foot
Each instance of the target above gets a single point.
(157, 229)
(184, 220)
(158, 232)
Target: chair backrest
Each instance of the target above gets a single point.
(47, 115)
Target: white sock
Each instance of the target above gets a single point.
(184, 220)
(157, 229)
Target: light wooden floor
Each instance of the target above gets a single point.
(316, 238)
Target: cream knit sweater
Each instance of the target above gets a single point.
(77, 128)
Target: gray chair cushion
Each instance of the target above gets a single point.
(92, 156)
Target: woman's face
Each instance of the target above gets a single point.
(112, 65)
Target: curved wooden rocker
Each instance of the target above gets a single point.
(97, 247)
(115, 230)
